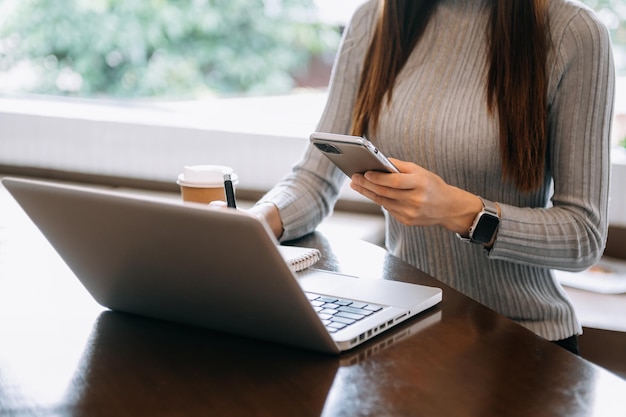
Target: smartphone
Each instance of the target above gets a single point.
(352, 154)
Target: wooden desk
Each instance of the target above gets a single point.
(63, 355)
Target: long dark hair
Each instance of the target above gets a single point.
(516, 86)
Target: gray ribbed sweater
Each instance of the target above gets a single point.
(438, 119)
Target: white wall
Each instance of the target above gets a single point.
(617, 192)
(260, 138)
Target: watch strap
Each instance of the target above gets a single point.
(490, 207)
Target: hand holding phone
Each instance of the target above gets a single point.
(352, 154)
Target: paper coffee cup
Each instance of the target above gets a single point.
(204, 183)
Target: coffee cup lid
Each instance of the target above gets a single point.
(200, 176)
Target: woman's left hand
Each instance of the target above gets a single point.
(418, 197)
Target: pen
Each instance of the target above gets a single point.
(230, 192)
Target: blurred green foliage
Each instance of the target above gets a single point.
(179, 48)
(165, 48)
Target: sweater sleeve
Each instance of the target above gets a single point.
(306, 195)
(571, 233)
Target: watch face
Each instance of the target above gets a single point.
(485, 228)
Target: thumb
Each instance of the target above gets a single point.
(403, 166)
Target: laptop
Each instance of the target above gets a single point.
(216, 268)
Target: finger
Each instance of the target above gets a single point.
(388, 190)
(377, 198)
(404, 166)
(394, 180)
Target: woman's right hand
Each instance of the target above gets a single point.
(418, 197)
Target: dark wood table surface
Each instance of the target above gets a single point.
(61, 354)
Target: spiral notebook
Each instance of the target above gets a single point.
(299, 258)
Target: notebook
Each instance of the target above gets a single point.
(299, 258)
(217, 268)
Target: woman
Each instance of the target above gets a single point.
(498, 114)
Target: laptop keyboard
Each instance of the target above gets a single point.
(338, 313)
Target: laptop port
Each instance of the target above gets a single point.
(401, 316)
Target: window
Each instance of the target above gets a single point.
(165, 49)
(172, 49)
(135, 89)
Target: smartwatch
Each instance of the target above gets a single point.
(485, 224)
